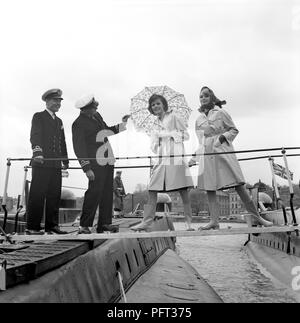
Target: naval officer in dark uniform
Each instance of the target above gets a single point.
(48, 141)
(96, 158)
(119, 194)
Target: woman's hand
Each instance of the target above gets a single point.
(222, 139)
(155, 134)
(191, 163)
(178, 136)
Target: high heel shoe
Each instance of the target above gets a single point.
(143, 226)
(210, 226)
(258, 220)
(149, 216)
(189, 227)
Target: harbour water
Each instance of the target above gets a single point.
(225, 264)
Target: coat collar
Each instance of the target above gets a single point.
(97, 115)
(53, 122)
(51, 113)
(95, 119)
(215, 109)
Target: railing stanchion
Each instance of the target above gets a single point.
(5, 194)
(290, 187)
(22, 203)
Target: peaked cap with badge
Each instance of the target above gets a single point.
(52, 94)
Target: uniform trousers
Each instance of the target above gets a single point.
(45, 188)
(99, 194)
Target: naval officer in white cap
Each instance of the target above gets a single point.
(96, 158)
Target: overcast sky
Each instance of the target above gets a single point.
(248, 52)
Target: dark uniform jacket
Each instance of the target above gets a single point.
(90, 141)
(119, 189)
(47, 138)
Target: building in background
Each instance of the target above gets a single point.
(236, 206)
(163, 200)
(223, 199)
(67, 199)
(199, 202)
(177, 206)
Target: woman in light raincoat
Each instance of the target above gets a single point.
(169, 173)
(216, 131)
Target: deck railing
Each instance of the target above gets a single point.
(150, 158)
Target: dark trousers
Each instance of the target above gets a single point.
(99, 194)
(45, 188)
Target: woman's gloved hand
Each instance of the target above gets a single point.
(191, 163)
(178, 136)
(222, 139)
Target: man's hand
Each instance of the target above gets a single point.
(90, 175)
(126, 117)
(39, 159)
(65, 166)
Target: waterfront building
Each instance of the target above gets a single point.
(223, 199)
(236, 206)
(199, 202)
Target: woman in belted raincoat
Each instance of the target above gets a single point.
(169, 173)
(216, 131)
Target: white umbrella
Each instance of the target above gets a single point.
(144, 120)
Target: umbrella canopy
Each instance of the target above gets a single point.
(163, 198)
(264, 197)
(144, 120)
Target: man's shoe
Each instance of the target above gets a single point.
(33, 232)
(76, 221)
(84, 230)
(56, 230)
(210, 226)
(108, 227)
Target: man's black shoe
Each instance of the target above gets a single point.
(84, 230)
(108, 227)
(56, 230)
(33, 232)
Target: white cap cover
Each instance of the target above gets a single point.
(84, 101)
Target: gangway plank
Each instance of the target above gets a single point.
(154, 234)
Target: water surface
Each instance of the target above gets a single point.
(225, 264)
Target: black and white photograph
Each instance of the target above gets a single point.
(150, 154)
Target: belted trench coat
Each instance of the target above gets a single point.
(217, 171)
(170, 173)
